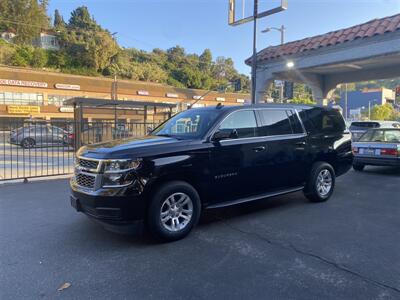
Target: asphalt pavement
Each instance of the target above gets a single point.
(278, 248)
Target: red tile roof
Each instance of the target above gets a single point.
(361, 31)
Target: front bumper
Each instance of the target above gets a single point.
(395, 162)
(110, 206)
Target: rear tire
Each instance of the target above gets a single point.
(27, 143)
(174, 210)
(321, 182)
(358, 167)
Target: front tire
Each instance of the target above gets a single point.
(27, 143)
(174, 210)
(321, 182)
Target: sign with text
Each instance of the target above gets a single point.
(62, 86)
(23, 109)
(23, 83)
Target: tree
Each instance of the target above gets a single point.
(382, 112)
(205, 60)
(81, 19)
(26, 18)
(58, 20)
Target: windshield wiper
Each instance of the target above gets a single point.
(168, 135)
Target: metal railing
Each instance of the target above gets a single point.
(31, 149)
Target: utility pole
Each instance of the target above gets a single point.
(254, 59)
(232, 21)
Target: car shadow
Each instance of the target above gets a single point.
(386, 171)
(262, 206)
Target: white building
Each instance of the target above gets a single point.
(8, 36)
(47, 41)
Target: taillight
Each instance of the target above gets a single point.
(71, 136)
(392, 152)
(354, 150)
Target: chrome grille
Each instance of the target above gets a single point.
(88, 164)
(84, 180)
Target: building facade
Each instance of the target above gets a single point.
(26, 93)
(361, 101)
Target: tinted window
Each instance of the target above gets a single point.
(321, 120)
(274, 122)
(244, 122)
(295, 122)
(363, 125)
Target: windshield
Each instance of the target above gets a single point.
(192, 123)
(383, 136)
(363, 125)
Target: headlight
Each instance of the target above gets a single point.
(116, 172)
(116, 166)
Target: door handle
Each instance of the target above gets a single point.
(259, 149)
(301, 143)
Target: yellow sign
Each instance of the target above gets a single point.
(23, 109)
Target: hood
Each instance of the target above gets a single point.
(131, 147)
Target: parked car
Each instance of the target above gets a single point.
(358, 128)
(208, 158)
(378, 147)
(39, 135)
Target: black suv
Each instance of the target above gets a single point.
(207, 158)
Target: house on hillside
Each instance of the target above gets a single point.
(47, 40)
(8, 36)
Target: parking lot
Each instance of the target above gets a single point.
(284, 247)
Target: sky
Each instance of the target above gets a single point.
(200, 24)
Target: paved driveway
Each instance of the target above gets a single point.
(280, 248)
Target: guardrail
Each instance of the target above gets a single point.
(30, 149)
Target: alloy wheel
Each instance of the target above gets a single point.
(176, 212)
(324, 182)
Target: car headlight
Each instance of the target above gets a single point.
(117, 166)
(116, 172)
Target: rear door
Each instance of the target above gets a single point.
(284, 163)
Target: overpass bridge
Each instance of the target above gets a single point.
(367, 51)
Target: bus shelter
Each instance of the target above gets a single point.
(123, 118)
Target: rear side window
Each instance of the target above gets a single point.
(321, 120)
(243, 121)
(274, 122)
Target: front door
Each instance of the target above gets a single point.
(235, 161)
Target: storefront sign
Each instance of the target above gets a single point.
(66, 109)
(143, 93)
(23, 83)
(220, 99)
(62, 86)
(23, 109)
(171, 95)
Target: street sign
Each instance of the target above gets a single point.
(240, 5)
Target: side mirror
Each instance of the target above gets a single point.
(224, 134)
(149, 129)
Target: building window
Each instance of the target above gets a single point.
(11, 98)
(57, 100)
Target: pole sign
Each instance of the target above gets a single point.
(23, 83)
(398, 91)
